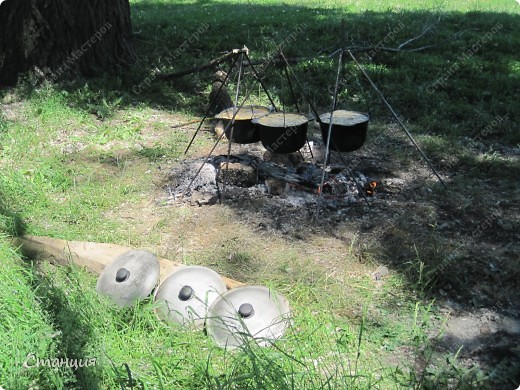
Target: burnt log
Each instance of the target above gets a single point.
(269, 170)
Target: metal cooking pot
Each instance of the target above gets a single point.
(283, 133)
(244, 132)
(349, 130)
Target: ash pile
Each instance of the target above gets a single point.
(286, 179)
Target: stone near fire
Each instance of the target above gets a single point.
(380, 272)
(199, 199)
(240, 175)
(276, 187)
(288, 160)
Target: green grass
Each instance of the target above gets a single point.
(27, 331)
(81, 153)
(320, 350)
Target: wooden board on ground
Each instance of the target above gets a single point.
(92, 255)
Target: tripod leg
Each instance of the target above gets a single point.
(232, 126)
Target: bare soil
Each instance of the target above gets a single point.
(459, 247)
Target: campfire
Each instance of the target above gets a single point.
(292, 179)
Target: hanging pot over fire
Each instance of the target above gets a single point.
(349, 130)
(283, 133)
(185, 295)
(247, 313)
(244, 132)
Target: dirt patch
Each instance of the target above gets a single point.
(12, 111)
(456, 246)
(482, 338)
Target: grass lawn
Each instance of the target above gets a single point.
(88, 160)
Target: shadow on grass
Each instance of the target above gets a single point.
(75, 330)
(453, 246)
(479, 87)
(10, 222)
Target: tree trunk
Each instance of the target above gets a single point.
(63, 38)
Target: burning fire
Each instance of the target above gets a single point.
(371, 188)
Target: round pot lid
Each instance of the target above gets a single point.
(245, 113)
(129, 277)
(185, 295)
(345, 118)
(246, 313)
(282, 119)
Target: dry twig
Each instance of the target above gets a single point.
(353, 49)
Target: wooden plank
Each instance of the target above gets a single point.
(92, 255)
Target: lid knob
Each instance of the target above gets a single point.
(246, 310)
(122, 275)
(186, 293)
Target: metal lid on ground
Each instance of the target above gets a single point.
(248, 313)
(185, 296)
(129, 277)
